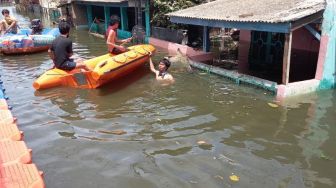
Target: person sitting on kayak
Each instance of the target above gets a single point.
(61, 50)
(161, 74)
(112, 37)
(8, 24)
(37, 27)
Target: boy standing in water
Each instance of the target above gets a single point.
(61, 50)
(112, 37)
(8, 24)
(161, 74)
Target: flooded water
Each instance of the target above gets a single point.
(195, 133)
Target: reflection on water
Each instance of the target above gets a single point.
(68, 129)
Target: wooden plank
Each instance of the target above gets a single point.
(315, 33)
(286, 58)
(306, 20)
(256, 26)
(106, 4)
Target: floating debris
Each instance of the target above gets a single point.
(325, 157)
(117, 132)
(201, 142)
(93, 138)
(234, 178)
(273, 105)
(68, 134)
(219, 177)
(193, 182)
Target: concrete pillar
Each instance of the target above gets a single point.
(124, 18)
(147, 13)
(327, 65)
(286, 58)
(206, 39)
(89, 15)
(107, 16)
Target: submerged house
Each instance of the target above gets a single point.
(95, 14)
(287, 46)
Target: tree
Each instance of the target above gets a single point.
(162, 7)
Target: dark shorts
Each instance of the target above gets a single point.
(116, 51)
(68, 65)
(12, 31)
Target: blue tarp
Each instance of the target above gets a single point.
(2, 95)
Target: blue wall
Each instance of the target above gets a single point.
(329, 29)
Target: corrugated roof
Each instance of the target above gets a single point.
(269, 11)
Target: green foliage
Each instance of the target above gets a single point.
(162, 7)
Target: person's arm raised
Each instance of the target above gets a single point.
(151, 66)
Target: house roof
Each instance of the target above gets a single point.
(266, 11)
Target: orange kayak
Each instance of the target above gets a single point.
(104, 68)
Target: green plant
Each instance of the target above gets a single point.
(162, 7)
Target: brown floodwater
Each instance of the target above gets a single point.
(138, 133)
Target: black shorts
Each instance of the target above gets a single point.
(12, 31)
(116, 51)
(68, 65)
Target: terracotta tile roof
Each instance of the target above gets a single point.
(269, 11)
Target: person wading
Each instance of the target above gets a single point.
(161, 74)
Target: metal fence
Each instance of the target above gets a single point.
(166, 34)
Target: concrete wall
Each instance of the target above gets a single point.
(172, 49)
(325, 77)
(79, 15)
(304, 55)
(327, 58)
(304, 40)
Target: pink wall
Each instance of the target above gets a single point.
(304, 56)
(322, 57)
(186, 50)
(304, 40)
(243, 50)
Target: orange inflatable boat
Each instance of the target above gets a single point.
(105, 69)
